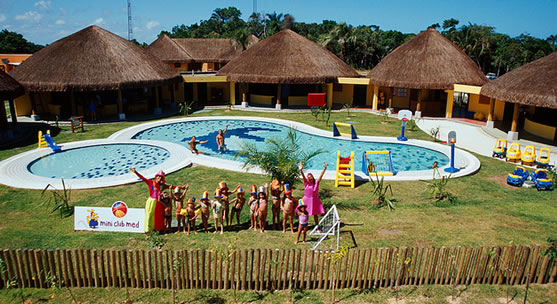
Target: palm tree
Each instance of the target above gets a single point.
(273, 23)
(280, 159)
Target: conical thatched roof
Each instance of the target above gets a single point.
(9, 87)
(217, 50)
(251, 40)
(167, 50)
(427, 61)
(92, 59)
(286, 57)
(533, 84)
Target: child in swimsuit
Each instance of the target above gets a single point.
(238, 204)
(303, 220)
(178, 198)
(190, 213)
(253, 204)
(167, 215)
(204, 208)
(287, 206)
(217, 208)
(262, 212)
(225, 192)
(275, 194)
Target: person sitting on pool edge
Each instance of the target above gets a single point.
(220, 139)
(193, 145)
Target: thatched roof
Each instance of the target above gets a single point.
(217, 50)
(9, 87)
(427, 61)
(92, 59)
(251, 40)
(168, 50)
(533, 84)
(286, 57)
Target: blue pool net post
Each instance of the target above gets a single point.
(336, 131)
(379, 163)
(452, 141)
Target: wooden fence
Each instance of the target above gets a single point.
(272, 269)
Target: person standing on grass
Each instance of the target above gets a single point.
(311, 193)
(302, 220)
(154, 210)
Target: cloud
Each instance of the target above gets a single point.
(2, 18)
(29, 16)
(152, 24)
(43, 5)
(60, 22)
(98, 21)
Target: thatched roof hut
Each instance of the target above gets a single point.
(286, 58)
(251, 40)
(217, 50)
(168, 50)
(92, 59)
(532, 84)
(427, 61)
(9, 87)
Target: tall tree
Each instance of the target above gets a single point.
(14, 43)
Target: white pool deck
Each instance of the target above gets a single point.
(14, 172)
(474, 138)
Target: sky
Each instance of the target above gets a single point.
(45, 21)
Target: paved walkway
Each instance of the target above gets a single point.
(473, 137)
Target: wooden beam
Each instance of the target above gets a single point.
(279, 93)
(491, 109)
(375, 98)
(232, 93)
(419, 105)
(514, 125)
(329, 95)
(450, 102)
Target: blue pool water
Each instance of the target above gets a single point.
(405, 157)
(98, 161)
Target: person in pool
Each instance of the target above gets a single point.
(193, 145)
(220, 139)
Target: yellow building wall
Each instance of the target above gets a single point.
(261, 99)
(297, 100)
(499, 110)
(345, 96)
(538, 129)
(474, 105)
(23, 105)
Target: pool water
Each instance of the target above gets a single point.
(98, 161)
(405, 157)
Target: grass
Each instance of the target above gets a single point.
(423, 294)
(485, 213)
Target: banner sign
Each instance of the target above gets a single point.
(118, 218)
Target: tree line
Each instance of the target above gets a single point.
(362, 47)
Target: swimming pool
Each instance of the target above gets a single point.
(92, 163)
(406, 157)
(98, 161)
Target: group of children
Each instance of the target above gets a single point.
(224, 209)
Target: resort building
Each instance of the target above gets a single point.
(94, 72)
(196, 59)
(423, 75)
(10, 61)
(529, 94)
(9, 89)
(281, 70)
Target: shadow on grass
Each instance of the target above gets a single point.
(209, 297)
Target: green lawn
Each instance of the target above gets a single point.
(487, 212)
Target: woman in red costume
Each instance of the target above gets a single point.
(154, 210)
